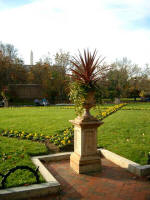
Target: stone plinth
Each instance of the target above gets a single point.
(85, 158)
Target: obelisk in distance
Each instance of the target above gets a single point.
(31, 57)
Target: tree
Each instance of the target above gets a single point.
(139, 81)
(8, 50)
(12, 70)
(134, 87)
(52, 78)
(117, 79)
(62, 59)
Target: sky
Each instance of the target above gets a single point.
(116, 28)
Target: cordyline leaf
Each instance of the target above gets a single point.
(83, 63)
(87, 67)
(77, 75)
(77, 66)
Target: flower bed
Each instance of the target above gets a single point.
(61, 139)
(24, 135)
(134, 108)
(110, 110)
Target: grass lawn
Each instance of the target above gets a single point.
(45, 120)
(141, 105)
(14, 152)
(127, 133)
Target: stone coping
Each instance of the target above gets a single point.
(24, 192)
(135, 168)
(53, 186)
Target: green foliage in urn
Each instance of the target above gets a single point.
(78, 94)
(86, 73)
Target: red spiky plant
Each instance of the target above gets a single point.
(87, 68)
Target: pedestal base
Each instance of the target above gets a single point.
(85, 164)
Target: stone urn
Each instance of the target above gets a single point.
(88, 104)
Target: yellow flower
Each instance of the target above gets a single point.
(104, 114)
(63, 142)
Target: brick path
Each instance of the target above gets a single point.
(112, 183)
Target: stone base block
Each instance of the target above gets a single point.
(85, 164)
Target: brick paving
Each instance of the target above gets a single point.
(112, 183)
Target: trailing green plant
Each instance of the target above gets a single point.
(78, 94)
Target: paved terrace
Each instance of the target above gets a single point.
(112, 183)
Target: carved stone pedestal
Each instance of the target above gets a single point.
(85, 158)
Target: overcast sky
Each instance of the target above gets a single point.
(117, 28)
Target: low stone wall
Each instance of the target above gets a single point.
(135, 168)
(25, 91)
